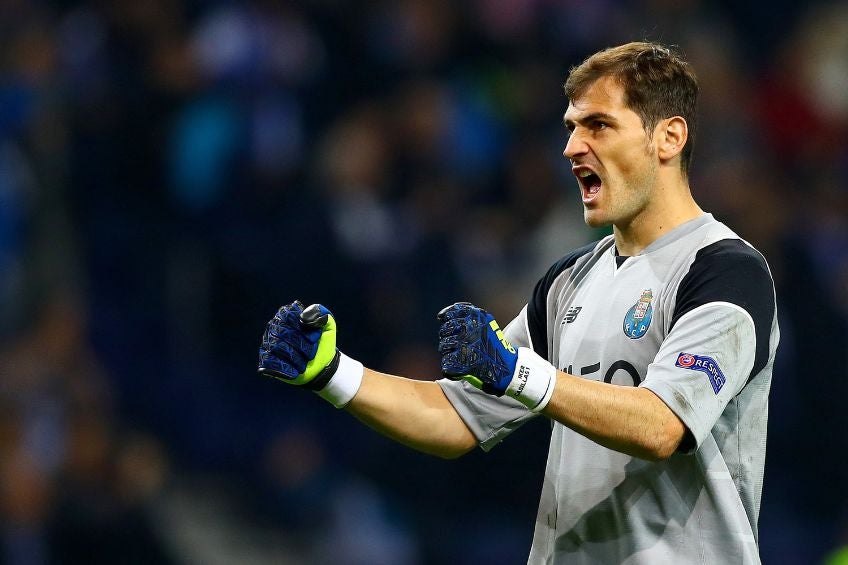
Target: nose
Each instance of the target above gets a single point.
(575, 146)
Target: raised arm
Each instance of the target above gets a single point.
(414, 413)
(299, 348)
(631, 420)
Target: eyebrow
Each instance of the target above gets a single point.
(594, 116)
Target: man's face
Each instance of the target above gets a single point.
(611, 154)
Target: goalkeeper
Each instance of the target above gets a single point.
(650, 350)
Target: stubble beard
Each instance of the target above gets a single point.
(639, 192)
(627, 199)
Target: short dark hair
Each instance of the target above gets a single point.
(657, 82)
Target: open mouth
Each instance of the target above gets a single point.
(590, 182)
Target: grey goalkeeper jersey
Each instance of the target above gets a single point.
(693, 319)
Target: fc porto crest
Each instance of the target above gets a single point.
(638, 318)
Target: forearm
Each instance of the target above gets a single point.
(631, 420)
(299, 348)
(414, 413)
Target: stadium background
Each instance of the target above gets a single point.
(171, 172)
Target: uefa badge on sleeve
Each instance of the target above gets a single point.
(704, 364)
(638, 318)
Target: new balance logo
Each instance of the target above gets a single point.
(571, 315)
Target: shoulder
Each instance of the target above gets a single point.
(537, 307)
(569, 261)
(731, 271)
(729, 268)
(731, 249)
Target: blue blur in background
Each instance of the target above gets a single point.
(171, 172)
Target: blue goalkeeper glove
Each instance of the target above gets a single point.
(474, 348)
(299, 348)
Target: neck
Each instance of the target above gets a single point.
(668, 208)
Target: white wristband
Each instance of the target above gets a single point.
(534, 380)
(344, 384)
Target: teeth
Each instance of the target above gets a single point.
(584, 173)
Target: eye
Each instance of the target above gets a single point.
(598, 125)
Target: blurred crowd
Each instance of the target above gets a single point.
(173, 171)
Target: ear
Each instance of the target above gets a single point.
(670, 137)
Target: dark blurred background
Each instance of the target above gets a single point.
(173, 171)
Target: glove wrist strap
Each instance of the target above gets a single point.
(343, 382)
(321, 380)
(533, 382)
